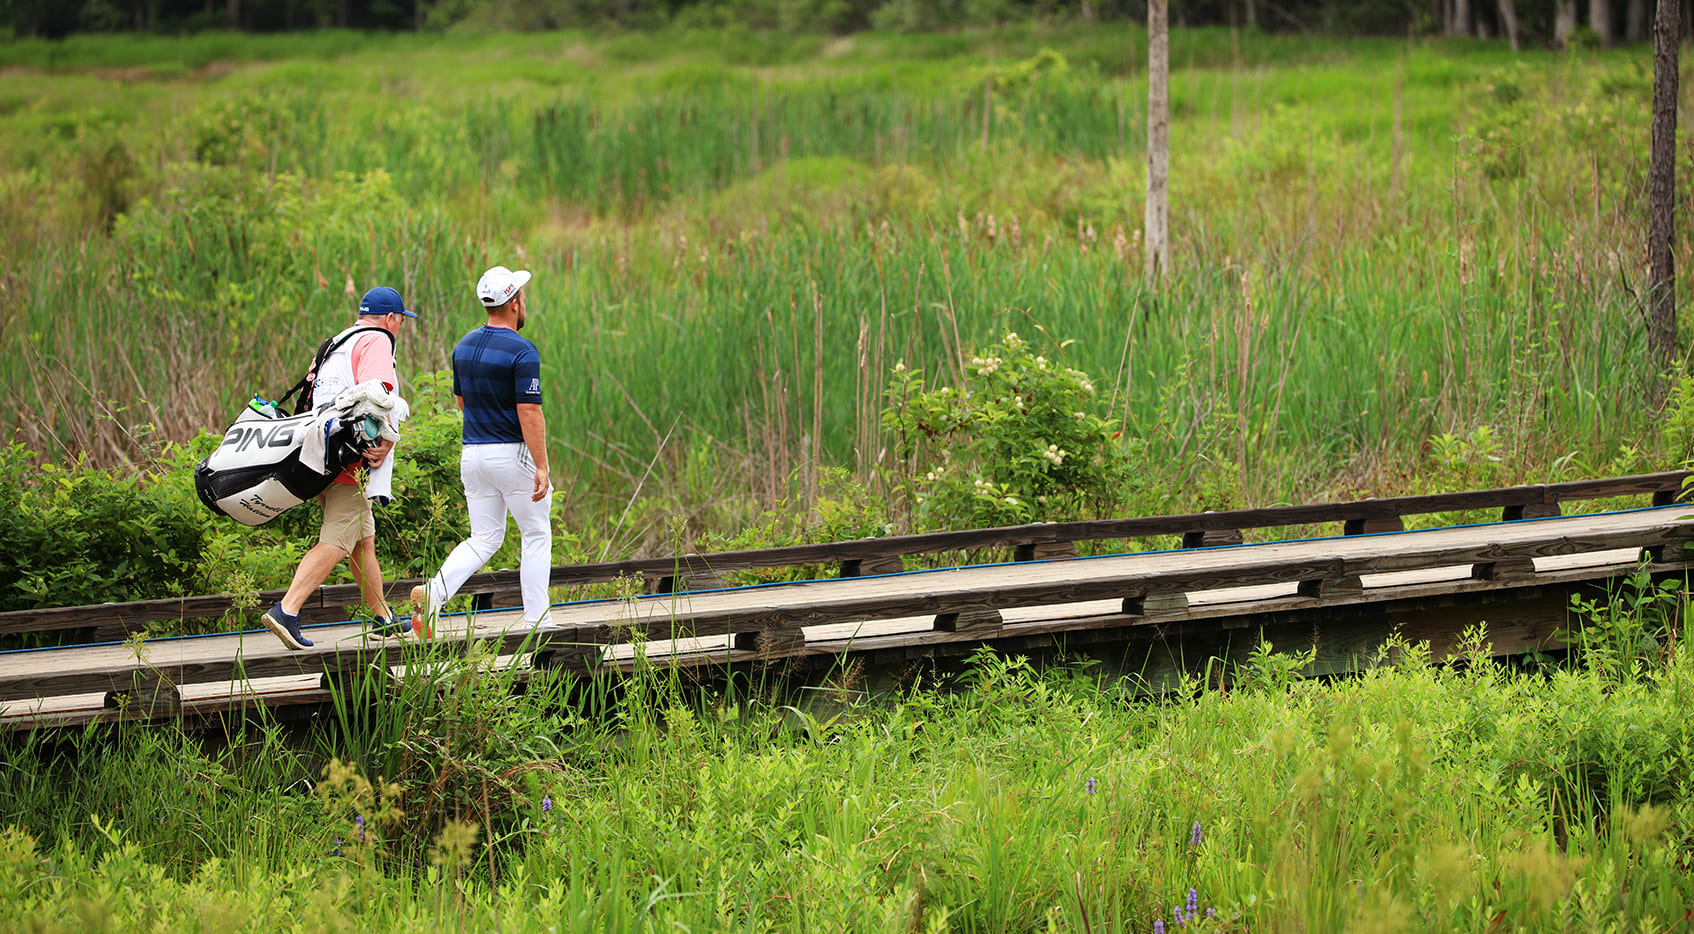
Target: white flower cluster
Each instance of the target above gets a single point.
(1055, 454)
(986, 365)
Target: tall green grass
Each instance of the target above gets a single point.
(1376, 243)
(1418, 795)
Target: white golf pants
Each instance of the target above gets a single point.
(499, 479)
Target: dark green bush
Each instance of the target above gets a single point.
(73, 535)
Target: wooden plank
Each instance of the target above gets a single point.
(148, 695)
(1603, 487)
(1212, 539)
(686, 583)
(970, 620)
(1044, 551)
(1508, 569)
(872, 566)
(322, 606)
(322, 603)
(1332, 586)
(1373, 526)
(1155, 604)
(586, 650)
(1507, 632)
(768, 644)
(99, 668)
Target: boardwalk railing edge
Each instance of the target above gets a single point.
(1323, 573)
(878, 555)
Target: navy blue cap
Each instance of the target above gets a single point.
(383, 300)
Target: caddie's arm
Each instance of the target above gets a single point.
(534, 426)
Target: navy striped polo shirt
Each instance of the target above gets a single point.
(495, 370)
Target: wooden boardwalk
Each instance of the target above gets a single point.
(1200, 589)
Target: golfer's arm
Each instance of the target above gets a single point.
(534, 426)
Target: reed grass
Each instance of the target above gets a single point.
(1430, 237)
(1426, 796)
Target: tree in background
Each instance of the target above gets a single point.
(1600, 20)
(1661, 187)
(1530, 21)
(1509, 24)
(1158, 137)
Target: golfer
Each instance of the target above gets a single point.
(497, 383)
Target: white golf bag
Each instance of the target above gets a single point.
(268, 464)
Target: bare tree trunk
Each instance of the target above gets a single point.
(1158, 137)
(1448, 27)
(1088, 11)
(1509, 23)
(1635, 21)
(1461, 18)
(235, 14)
(1661, 187)
(1564, 21)
(1600, 20)
(1252, 11)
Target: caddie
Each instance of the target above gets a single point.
(349, 527)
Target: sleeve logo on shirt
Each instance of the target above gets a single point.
(535, 385)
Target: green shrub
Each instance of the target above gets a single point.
(1022, 440)
(74, 535)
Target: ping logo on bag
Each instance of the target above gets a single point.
(247, 435)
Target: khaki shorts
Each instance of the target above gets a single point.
(347, 516)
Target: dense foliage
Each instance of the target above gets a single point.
(54, 18)
(739, 239)
(1418, 796)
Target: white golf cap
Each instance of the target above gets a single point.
(498, 285)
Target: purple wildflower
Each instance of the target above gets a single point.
(1211, 912)
(337, 847)
(1090, 785)
(360, 820)
(1158, 927)
(1194, 839)
(1193, 901)
(546, 804)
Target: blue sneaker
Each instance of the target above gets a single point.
(287, 628)
(385, 627)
